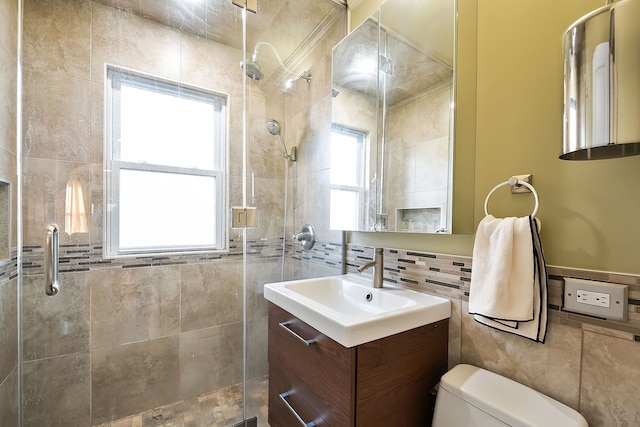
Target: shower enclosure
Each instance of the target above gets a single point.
(132, 135)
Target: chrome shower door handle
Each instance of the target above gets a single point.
(51, 285)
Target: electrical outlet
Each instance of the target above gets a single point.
(593, 298)
(599, 299)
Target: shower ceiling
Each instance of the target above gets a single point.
(414, 71)
(221, 21)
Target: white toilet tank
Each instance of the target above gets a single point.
(473, 397)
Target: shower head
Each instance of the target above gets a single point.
(274, 129)
(252, 69)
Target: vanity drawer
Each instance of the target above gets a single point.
(320, 375)
(307, 402)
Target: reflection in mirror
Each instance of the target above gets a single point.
(393, 92)
(5, 219)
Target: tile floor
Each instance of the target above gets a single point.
(221, 408)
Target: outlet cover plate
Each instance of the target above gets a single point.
(591, 298)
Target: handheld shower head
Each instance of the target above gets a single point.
(274, 129)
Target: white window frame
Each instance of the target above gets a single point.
(114, 77)
(361, 137)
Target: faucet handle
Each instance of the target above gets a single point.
(378, 265)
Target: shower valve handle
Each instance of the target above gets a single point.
(307, 237)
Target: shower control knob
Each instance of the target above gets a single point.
(307, 237)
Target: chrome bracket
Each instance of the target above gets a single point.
(518, 188)
(251, 5)
(251, 422)
(385, 64)
(382, 221)
(244, 217)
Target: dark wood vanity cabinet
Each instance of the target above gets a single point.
(386, 382)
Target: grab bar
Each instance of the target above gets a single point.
(51, 285)
(284, 396)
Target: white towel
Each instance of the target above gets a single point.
(502, 274)
(509, 287)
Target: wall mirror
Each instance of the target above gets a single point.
(392, 145)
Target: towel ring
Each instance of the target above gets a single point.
(512, 182)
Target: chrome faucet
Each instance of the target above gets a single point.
(378, 268)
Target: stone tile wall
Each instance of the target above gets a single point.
(8, 266)
(589, 364)
(9, 342)
(120, 339)
(126, 335)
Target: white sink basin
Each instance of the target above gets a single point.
(350, 311)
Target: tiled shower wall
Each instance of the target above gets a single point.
(589, 364)
(418, 129)
(8, 342)
(127, 335)
(8, 275)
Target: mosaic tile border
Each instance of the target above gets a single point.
(450, 276)
(9, 267)
(86, 257)
(327, 254)
(440, 274)
(446, 275)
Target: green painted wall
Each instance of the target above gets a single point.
(588, 209)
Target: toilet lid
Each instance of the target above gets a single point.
(507, 400)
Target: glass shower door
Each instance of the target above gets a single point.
(159, 317)
(147, 326)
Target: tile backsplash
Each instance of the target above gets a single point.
(587, 363)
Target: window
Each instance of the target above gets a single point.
(164, 163)
(347, 192)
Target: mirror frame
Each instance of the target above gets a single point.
(464, 116)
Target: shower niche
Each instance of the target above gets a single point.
(393, 84)
(419, 220)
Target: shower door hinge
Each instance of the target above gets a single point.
(244, 217)
(385, 64)
(252, 5)
(251, 422)
(382, 222)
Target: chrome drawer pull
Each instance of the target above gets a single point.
(285, 326)
(284, 396)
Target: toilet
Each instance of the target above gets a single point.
(473, 397)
